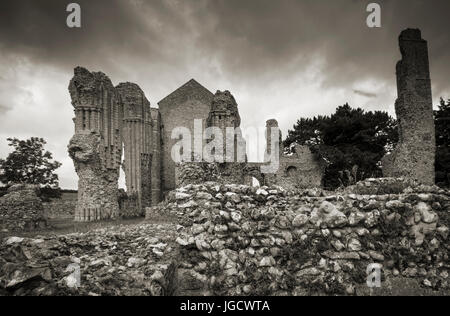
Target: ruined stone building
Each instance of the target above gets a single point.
(112, 120)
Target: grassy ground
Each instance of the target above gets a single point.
(62, 226)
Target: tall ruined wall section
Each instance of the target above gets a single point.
(156, 157)
(137, 133)
(224, 115)
(414, 155)
(271, 126)
(96, 147)
(180, 109)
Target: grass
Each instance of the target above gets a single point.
(63, 226)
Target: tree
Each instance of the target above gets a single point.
(351, 141)
(29, 163)
(442, 126)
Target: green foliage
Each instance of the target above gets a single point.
(29, 163)
(351, 141)
(442, 124)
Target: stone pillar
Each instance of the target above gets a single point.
(270, 125)
(96, 145)
(414, 156)
(156, 165)
(136, 138)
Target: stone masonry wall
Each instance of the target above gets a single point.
(156, 157)
(96, 147)
(58, 208)
(239, 240)
(129, 205)
(299, 170)
(199, 172)
(179, 109)
(21, 209)
(137, 133)
(97, 186)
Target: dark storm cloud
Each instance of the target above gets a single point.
(365, 93)
(37, 30)
(279, 37)
(253, 40)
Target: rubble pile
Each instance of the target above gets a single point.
(121, 260)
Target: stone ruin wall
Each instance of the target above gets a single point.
(21, 209)
(137, 133)
(179, 109)
(298, 170)
(228, 173)
(414, 156)
(105, 115)
(241, 240)
(96, 147)
(156, 183)
(107, 118)
(224, 114)
(129, 204)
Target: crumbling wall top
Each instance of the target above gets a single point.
(135, 104)
(224, 102)
(272, 123)
(88, 88)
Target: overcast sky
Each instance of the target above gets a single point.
(281, 59)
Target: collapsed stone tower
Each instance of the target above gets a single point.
(137, 133)
(96, 147)
(414, 156)
(224, 114)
